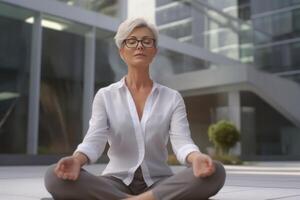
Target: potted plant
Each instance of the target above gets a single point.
(224, 135)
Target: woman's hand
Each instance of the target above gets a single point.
(68, 168)
(202, 164)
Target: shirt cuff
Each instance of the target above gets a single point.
(184, 151)
(92, 156)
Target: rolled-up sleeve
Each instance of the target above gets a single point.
(180, 135)
(95, 140)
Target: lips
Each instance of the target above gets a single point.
(139, 54)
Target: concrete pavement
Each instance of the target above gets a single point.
(253, 181)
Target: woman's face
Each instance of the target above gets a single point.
(138, 49)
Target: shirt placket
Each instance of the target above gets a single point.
(146, 114)
(139, 127)
(138, 134)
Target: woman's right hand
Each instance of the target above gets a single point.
(68, 168)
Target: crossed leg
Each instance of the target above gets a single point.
(87, 186)
(184, 185)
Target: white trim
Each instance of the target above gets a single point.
(227, 47)
(185, 39)
(166, 6)
(264, 14)
(196, 52)
(175, 23)
(277, 43)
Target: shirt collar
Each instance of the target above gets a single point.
(122, 84)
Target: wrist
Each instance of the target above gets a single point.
(192, 156)
(81, 158)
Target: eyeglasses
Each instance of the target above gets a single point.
(133, 43)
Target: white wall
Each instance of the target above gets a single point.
(142, 8)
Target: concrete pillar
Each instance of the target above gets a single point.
(89, 77)
(234, 112)
(34, 85)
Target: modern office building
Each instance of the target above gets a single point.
(235, 60)
(262, 95)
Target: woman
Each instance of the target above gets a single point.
(137, 117)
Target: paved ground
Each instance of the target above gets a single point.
(255, 181)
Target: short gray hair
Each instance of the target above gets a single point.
(127, 27)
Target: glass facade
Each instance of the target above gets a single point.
(109, 67)
(202, 110)
(179, 63)
(266, 131)
(222, 27)
(106, 7)
(65, 49)
(264, 34)
(15, 52)
(277, 39)
(61, 89)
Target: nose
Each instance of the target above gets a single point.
(140, 45)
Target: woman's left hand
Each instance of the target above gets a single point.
(202, 164)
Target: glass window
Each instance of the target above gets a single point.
(179, 31)
(271, 133)
(269, 5)
(15, 47)
(169, 62)
(281, 25)
(203, 110)
(295, 49)
(107, 7)
(296, 20)
(60, 124)
(263, 58)
(109, 67)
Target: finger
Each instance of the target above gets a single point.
(59, 174)
(210, 171)
(209, 162)
(57, 170)
(65, 176)
(74, 177)
(59, 166)
(196, 170)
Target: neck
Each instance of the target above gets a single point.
(138, 78)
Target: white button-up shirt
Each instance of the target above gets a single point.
(134, 142)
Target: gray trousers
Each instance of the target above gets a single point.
(183, 185)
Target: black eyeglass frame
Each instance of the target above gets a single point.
(140, 41)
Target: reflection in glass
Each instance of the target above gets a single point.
(15, 43)
(203, 110)
(109, 68)
(222, 27)
(60, 125)
(170, 62)
(107, 7)
(273, 134)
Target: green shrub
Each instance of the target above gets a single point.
(223, 135)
